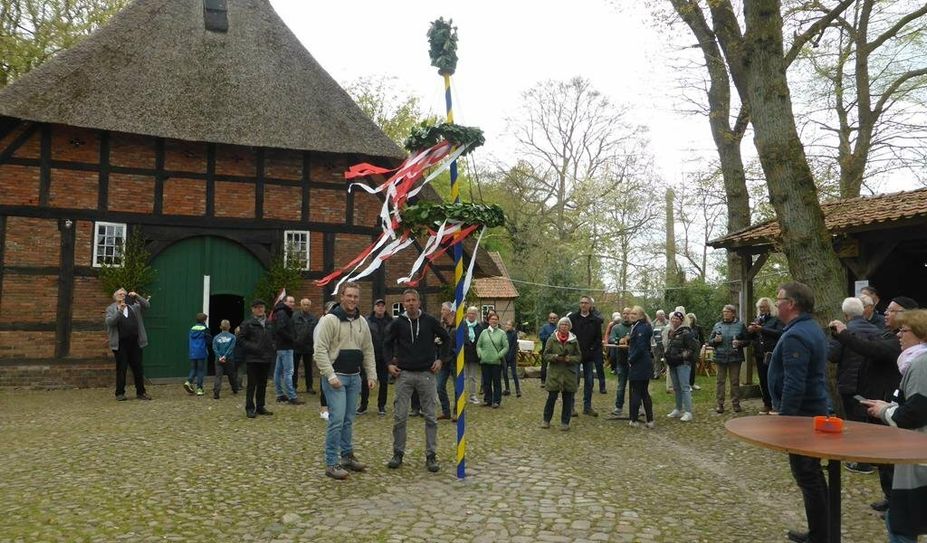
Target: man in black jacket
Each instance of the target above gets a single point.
(284, 341)
(410, 353)
(587, 327)
(378, 322)
(304, 325)
(257, 348)
(878, 374)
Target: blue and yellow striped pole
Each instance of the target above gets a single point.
(459, 383)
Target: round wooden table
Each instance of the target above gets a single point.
(859, 442)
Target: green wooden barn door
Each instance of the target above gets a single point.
(177, 295)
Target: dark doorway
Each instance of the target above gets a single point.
(229, 307)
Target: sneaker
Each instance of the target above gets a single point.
(362, 411)
(381, 412)
(545, 425)
(199, 391)
(763, 411)
(323, 415)
(350, 462)
(634, 424)
(143, 396)
(564, 427)
(696, 387)
(251, 413)
(474, 401)
(686, 417)
(262, 411)
(311, 391)
(444, 416)
(395, 461)
(738, 409)
(431, 462)
(773, 413)
(518, 394)
(575, 413)
(603, 391)
(858, 467)
(282, 399)
(650, 425)
(188, 386)
(617, 412)
(121, 398)
(719, 409)
(336, 472)
(797, 537)
(591, 412)
(880, 506)
(295, 401)
(496, 406)
(674, 414)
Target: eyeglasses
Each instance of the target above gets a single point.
(896, 310)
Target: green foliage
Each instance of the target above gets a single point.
(698, 297)
(442, 46)
(394, 113)
(32, 31)
(427, 214)
(427, 135)
(280, 275)
(133, 273)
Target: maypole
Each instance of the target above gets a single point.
(442, 40)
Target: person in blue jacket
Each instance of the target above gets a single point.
(546, 331)
(641, 364)
(223, 346)
(798, 386)
(198, 339)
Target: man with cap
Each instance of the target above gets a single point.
(378, 320)
(878, 373)
(257, 347)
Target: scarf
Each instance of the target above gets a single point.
(908, 356)
(562, 338)
(470, 327)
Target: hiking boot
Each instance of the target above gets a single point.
(395, 461)
(349, 462)
(143, 396)
(797, 537)
(336, 472)
(215, 395)
(738, 409)
(262, 411)
(431, 462)
(444, 416)
(575, 413)
(311, 391)
(591, 412)
(858, 467)
(506, 392)
(295, 401)
(251, 413)
(564, 427)
(188, 386)
(545, 424)
(121, 398)
(880, 506)
(282, 399)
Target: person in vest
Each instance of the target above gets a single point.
(127, 338)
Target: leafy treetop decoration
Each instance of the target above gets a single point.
(430, 215)
(442, 42)
(427, 135)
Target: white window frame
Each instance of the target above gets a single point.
(287, 235)
(397, 309)
(117, 247)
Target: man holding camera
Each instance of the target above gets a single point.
(127, 338)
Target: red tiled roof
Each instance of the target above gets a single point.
(495, 287)
(849, 214)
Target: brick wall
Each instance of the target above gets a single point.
(131, 193)
(327, 205)
(32, 242)
(73, 189)
(83, 243)
(185, 156)
(28, 298)
(235, 160)
(90, 300)
(19, 185)
(234, 200)
(89, 344)
(283, 164)
(80, 375)
(283, 202)
(32, 148)
(19, 344)
(184, 196)
(131, 150)
(75, 144)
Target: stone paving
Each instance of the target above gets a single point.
(76, 465)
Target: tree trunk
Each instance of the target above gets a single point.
(792, 192)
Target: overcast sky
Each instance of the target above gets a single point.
(504, 49)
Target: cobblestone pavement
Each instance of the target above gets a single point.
(76, 465)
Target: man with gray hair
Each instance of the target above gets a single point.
(849, 363)
(127, 338)
(870, 313)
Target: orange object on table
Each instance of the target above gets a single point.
(832, 425)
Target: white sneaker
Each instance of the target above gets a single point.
(686, 417)
(675, 414)
(634, 424)
(650, 425)
(323, 415)
(696, 387)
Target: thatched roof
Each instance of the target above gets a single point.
(155, 70)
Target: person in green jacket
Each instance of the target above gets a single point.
(562, 356)
(491, 347)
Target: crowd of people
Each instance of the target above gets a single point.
(880, 361)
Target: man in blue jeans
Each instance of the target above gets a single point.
(798, 387)
(587, 327)
(284, 342)
(448, 369)
(342, 346)
(620, 354)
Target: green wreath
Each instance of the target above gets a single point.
(429, 215)
(427, 135)
(442, 46)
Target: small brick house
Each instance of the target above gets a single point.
(496, 293)
(208, 128)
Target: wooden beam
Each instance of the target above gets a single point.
(159, 176)
(2, 254)
(65, 289)
(305, 182)
(328, 261)
(103, 193)
(211, 180)
(259, 185)
(45, 165)
(7, 154)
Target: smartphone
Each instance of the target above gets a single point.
(859, 398)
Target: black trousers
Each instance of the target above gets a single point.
(383, 380)
(762, 371)
(640, 393)
(566, 411)
(365, 391)
(257, 385)
(307, 361)
(807, 473)
(492, 383)
(128, 356)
